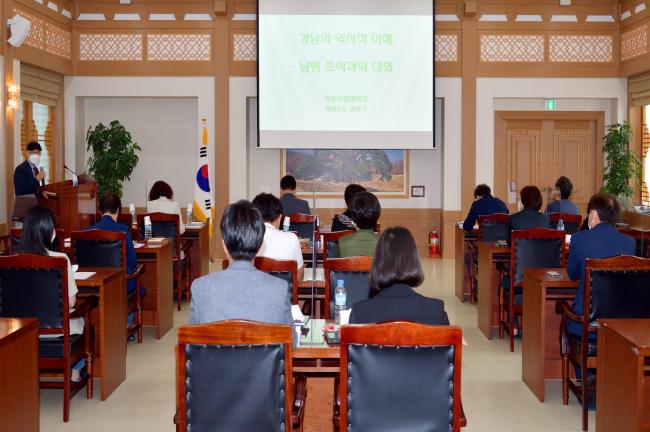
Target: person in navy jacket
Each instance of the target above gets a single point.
(484, 204)
(601, 240)
(110, 206)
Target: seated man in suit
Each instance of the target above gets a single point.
(290, 203)
(601, 240)
(561, 195)
(530, 216)
(277, 244)
(484, 204)
(365, 211)
(241, 291)
(109, 207)
(395, 272)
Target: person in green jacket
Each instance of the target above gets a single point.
(365, 211)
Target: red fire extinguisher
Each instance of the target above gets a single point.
(434, 244)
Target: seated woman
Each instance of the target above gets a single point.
(160, 201)
(395, 271)
(561, 202)
(365, 211)
(530, 216)
(36, 238)
(343, 221)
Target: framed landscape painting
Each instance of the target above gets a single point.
(328, 172)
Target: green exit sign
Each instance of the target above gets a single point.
(550, 104)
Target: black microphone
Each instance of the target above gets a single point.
(43, 179)
(69, 170)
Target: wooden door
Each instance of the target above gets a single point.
(535, 148)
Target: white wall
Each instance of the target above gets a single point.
(157, 111)
(165, 128)
(573, 94)
(262, 166)
(450, 90)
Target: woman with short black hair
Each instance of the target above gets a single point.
(395, 271)
(530, 216)
(343, 221)
(365, 211)
(161, 200)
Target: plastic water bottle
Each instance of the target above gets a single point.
(340, 297)
(147, 227)
(286, 224)
(560, 225)
(134, 220)
(189, 213)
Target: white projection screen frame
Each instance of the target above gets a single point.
(355, 74)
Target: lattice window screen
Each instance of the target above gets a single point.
(645, 194)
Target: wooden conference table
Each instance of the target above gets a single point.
(463, 239)
(158, 303)
(199, 250)
(489, 255)
(623, 384)
(540, 357)
(109, 322)
(19, 393)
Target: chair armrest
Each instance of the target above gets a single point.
(463, 419)
(83, 307)
(299, 399)
(336, 404)
(139, 269)
(562, 307)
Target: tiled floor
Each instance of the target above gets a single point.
(494, 397)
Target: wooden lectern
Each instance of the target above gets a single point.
(74, 207)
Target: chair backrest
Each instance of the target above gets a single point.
(220, 369)
(617, 287)
(354, 272)
(642, 239)
(36, 286)
(16, 233)
(400, 376)
(493, 227)
(571, 222)
(286, 270)
(303, 224)
(535, 248)
(331, 243)
(163, 225)
(98, 248)
(126, 220)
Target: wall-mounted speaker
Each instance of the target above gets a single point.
(19, 27)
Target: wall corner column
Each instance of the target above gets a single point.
(468, 119)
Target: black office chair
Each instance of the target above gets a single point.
(303, 224)
(237, 376)
(532, 248)
(613, 288)
(100, 248)
(287, 270)
(400, 376)
(36, 286)
(354, 272)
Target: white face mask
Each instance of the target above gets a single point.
(34, 159)
(53, 236)
(590, 220)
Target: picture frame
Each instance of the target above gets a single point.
(384, 172)
(417, 191)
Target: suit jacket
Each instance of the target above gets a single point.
(602, 241)
(399, 302)
(241, 292)
(291, 204)
(25, 182)
(563, 206)
(487, 205)
(529, 218)
(107, 223)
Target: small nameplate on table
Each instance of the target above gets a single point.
(309, 274)
(196, 224)
(156, 240)
(83, 275)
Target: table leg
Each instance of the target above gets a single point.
(534, 343)
(111, 364)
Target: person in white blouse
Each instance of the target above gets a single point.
(277, 244)
(161, 198)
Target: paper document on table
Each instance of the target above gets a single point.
(345, 316)
(83, 275)
(75, 267)
(296, 314)
(137, 245)
(309, 274)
